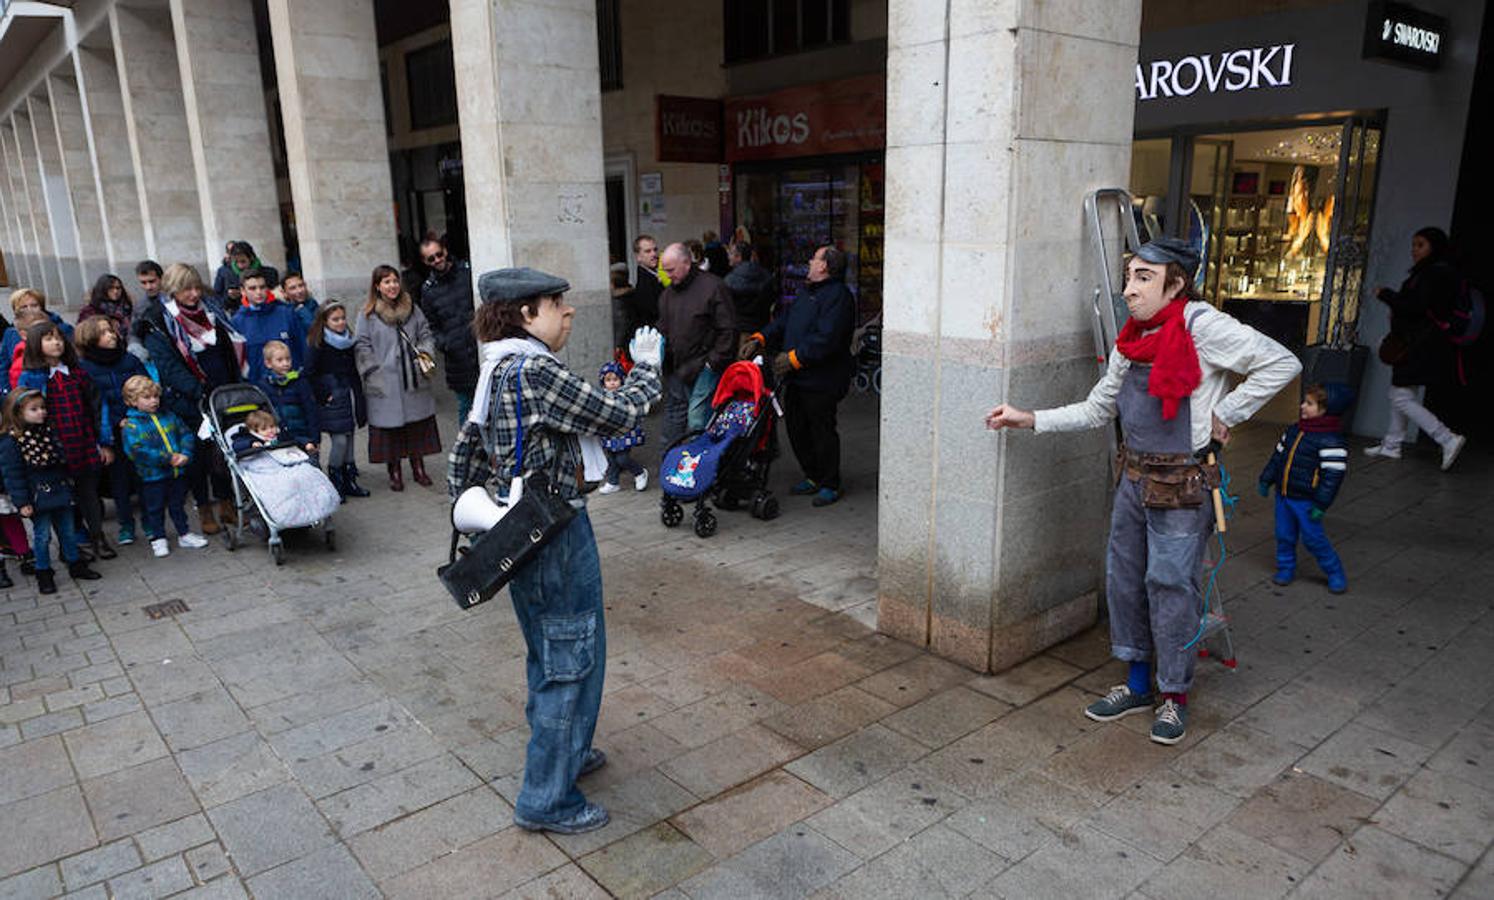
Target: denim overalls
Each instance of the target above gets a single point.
(1155, 556)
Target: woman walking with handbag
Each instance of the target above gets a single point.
(394, 348)
(1415, 349)
(532, 415)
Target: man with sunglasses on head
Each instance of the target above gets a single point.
(446, 300)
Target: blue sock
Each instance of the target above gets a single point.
(1139, 678)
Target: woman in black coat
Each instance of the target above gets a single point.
(1416, 350)
(333, 370)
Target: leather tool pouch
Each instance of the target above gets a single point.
(1173, 487)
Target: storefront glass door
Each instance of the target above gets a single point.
(1349, 244)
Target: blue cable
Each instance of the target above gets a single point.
(1211, 588)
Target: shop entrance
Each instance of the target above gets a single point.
(1281, 217)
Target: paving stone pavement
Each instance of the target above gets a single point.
(336, 728)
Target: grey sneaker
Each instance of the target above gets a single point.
(1451, 451)
(590, 818)
(1171, 724)
(1120, 702)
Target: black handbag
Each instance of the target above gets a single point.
(477, 574)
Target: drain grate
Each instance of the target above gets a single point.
(166, 608)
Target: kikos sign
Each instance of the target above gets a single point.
(1228, 71)
(810, 120)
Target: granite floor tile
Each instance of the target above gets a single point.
(1028, 681)
(44, 828)
(1238, 760)
(1082, 863)
(730, 760)
(33, 768)
(489, 868)
(1377, 865)
(330, 873)
(271, 827)
(568, 882)
(113, 745)
(856, 760)
(634, 803)
(231, 768)
(1227, 863)
(646, 862)
(937, 862)
(1371, 762)
(1303, 815)
(401, 845)
(909, 682)
(794, 863)
(829, 718)
(947, 716)
(160, 879)
(1165, 813)
(1441, 813)
(732, 821)
(201, 718)
(873, 821)
(397, 794)
(139, 798)
(100, 864)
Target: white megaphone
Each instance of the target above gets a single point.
(476, 511)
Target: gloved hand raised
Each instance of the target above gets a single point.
(781, 365)
(647, 347)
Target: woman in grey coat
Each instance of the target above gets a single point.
(395, 353)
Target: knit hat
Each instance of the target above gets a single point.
(611, 368)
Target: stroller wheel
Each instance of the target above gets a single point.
(277, 553)
(765, 506)
(230, 538)
(670, 513)
(877, 380)
(705, 524)
(863, 383)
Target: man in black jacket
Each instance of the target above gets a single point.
(643, 302)
(811, 346)
(446, 300)
(751, 288)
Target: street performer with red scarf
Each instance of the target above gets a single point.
(1168, 383)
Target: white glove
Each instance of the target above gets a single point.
(647, 347)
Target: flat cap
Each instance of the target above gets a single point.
(508, 285)
(1164, 250)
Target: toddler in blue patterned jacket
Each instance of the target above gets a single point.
(1307, 468)
(619, 449)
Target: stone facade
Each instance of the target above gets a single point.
(990, 149)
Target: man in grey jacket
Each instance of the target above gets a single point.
(699, 326)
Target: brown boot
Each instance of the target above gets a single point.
(417, 470)
(226, 513)
(209, 519)
(396, 478)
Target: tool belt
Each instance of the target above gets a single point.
(1168, 480)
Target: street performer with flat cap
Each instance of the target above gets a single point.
(1168, 383)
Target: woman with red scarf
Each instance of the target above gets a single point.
(1168, 384)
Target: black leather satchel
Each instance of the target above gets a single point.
(477, 574)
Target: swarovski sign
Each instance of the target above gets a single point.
(1403, 34)
(1254, 68)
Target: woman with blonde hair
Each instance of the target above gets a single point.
(395, 351)
(195, 349)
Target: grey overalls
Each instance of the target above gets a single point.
(1154, 561)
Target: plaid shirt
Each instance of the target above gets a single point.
(558, 405)
(72, 405)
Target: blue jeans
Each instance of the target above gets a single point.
(464, 406)
(121, 484)
(558, 600)
(617, 461)
(687, 407)
(159, 497)
(1292, 522)
(700, 398)
(42, 524)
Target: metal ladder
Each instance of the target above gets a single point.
(1110, 314)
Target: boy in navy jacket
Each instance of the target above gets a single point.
(295, 404)
(1307, 468)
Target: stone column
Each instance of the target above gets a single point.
(228, 125)
(160, 147)
(18, 257)
(46, 277)
(59, 203)
(78, 171)
(99, 86)
(529, 98)
(1000, 118)
(326, 58)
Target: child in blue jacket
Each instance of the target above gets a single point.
(1307, 468)
(295, 404)
(160, 445)
(262, 319)
(102, 354)
(619, 449)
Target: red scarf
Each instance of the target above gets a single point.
(1320, 424)
(1170, 351)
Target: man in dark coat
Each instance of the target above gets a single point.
(446, 300)
(700, 337)
(751, 288)
(811, 346)
(644, 300)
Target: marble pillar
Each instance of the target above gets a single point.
(59, 202)
(1001, 117)
(218, 50)
(46, 277)
(160, 146)
(99, 86)
(528, 94)
(18, 256)
(79, 174)
(326, 59)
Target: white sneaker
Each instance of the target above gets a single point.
(1388, 451)
(1451, 451)
(192, 541)
(640, 481)
(608, 488)
(159, 547)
